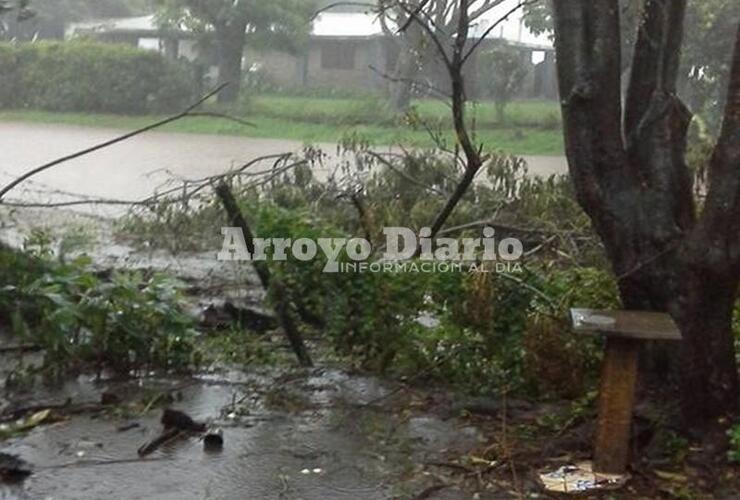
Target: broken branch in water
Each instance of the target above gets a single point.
(282, 307)
(166, 437)
(186, 190)
(176, 425)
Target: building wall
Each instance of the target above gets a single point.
(327, 63)
(345, 63)
(325, 69)
(280, 68)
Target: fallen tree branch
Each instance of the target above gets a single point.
(282, 308)
(167, 436)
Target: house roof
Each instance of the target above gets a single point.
(366, 24)
(348, 25)
(141, 23)
(512, 29)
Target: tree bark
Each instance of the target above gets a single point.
(632, 180)
(709, 384)
(230, 40)
(404, 74)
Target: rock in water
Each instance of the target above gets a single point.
(13, 469)
(173, 419)
(213, 440)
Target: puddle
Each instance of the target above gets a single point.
(330, 448)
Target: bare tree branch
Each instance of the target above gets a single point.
(494, 25)
(111, 142)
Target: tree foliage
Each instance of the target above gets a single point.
(25, 19)
(233, 24)
(704, 68)
(420, 29)
(502, 72)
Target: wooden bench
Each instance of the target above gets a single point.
(625, 331)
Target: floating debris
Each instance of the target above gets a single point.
(312, 471)
(13, 469)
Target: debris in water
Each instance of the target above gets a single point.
(32, 421)
(13, 469)
(213, 440)
(580, 478)
(128, 427)
(166, 436)
(176, 424)
(23, 425)
(109, 398)
(173, 419)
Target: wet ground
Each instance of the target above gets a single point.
(289, 434)
(318, 434)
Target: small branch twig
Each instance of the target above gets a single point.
(493, 26)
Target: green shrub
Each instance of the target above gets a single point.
(92, 77)
(9, 80)
(130, 322)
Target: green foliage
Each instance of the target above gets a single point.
(92, 77)
(706, 56)
(733, 454)
(706, 50)
(130, 322)
(235, 347)
(279, 24)
(172, 225)
(27, 19)
(482, 330)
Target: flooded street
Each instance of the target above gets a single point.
(134, 169)
(130, 170)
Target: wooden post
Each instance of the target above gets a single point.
(624, 332)
(616, 401)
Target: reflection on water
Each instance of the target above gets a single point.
(332, 448)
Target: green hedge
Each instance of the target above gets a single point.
(92, 77)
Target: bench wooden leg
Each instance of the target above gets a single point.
(616, 402)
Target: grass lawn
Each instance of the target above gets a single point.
(532, 127)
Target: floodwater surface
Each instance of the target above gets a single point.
(134, 169)
(317, 435)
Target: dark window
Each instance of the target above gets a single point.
(338, 55)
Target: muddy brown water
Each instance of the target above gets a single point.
(134, 169)
(327, 446)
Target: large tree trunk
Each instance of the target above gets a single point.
(411, 59)
(632, 180)
(709, 374)
(230, 39)
(401, 84)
